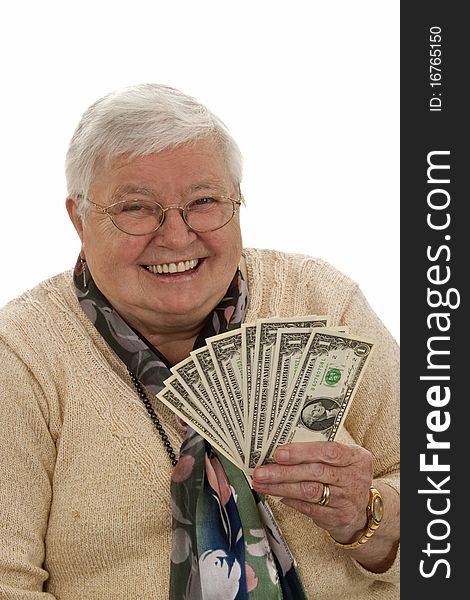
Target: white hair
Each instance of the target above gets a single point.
(140, 120)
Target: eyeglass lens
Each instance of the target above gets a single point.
(140, 217)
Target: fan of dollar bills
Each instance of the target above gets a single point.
(267, 383)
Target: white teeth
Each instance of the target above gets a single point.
(180, 267)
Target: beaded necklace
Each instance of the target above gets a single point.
(153, 415)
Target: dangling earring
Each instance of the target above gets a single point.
(83, 263)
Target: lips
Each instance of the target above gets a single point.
(173, 267)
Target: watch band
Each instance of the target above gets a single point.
(374, 513)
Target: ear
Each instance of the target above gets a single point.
(74, 214)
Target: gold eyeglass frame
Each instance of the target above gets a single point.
(183, 210)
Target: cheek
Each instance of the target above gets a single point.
(108, 250)
(229, 245)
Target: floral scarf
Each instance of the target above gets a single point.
(226, 543)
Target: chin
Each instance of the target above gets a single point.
(179, 308)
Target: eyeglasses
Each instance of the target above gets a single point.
(140, 216)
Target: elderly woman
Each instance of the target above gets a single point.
(92, 463)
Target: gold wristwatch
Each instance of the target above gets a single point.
(374, 512)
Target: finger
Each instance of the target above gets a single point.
(307, 491)
(312, 472)
(334, 453)
(325, 516)
(313, 510)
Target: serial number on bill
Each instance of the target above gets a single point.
(435, 68)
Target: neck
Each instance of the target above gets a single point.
(175, 350)
(175, 343)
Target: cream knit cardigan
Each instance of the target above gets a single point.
(84, 477)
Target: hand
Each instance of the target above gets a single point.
(298, 476)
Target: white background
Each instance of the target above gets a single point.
(309, 89)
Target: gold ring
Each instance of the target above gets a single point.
(325, 497)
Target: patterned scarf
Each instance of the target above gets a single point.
(226, 543)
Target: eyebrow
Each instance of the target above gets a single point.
(122, 190)
(205, 185)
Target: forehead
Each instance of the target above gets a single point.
(191, 166)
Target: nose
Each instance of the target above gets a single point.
(172, 207)
(173, 232)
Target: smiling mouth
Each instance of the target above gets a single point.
(179, 267)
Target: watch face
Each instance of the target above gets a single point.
(377, 508)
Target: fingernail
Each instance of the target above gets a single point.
(260, 474)
(281, 455)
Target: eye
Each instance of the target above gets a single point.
(206, 201)
(134, 207)
(137, 206)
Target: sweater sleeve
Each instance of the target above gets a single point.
(27, 458)
(374, 417)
